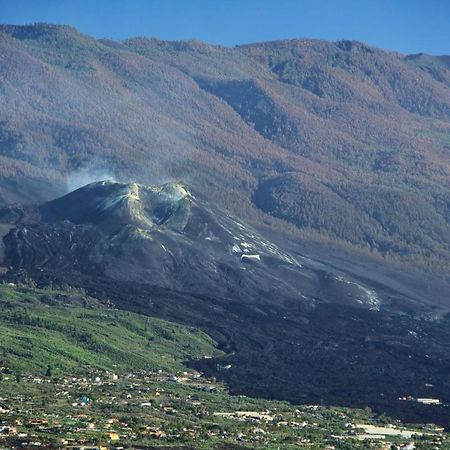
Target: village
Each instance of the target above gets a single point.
(101, 409)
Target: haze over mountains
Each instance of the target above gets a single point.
(339, 139)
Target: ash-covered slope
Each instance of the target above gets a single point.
(165, 236)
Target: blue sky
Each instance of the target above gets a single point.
(407, 26)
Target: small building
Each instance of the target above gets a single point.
(4, 409)
(113, 436)
(84, 400)
(429, 401)
(7, 430)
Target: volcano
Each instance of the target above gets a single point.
(166, 236)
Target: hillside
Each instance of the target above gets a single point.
(65, 330)
(75, 372)
(289, 327)
(169, 237)
(346, 142)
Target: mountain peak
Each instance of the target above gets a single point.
(35, 31)
(115, 204)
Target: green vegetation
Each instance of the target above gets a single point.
(183, 410)
(416, 230)
(67, 330)
(75, 372)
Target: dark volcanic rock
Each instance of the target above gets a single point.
(165, 236)
(293, 328)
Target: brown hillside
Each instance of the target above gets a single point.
(337, 138)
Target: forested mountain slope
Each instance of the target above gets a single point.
(340, 139)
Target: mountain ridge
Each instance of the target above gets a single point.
(335, 122)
